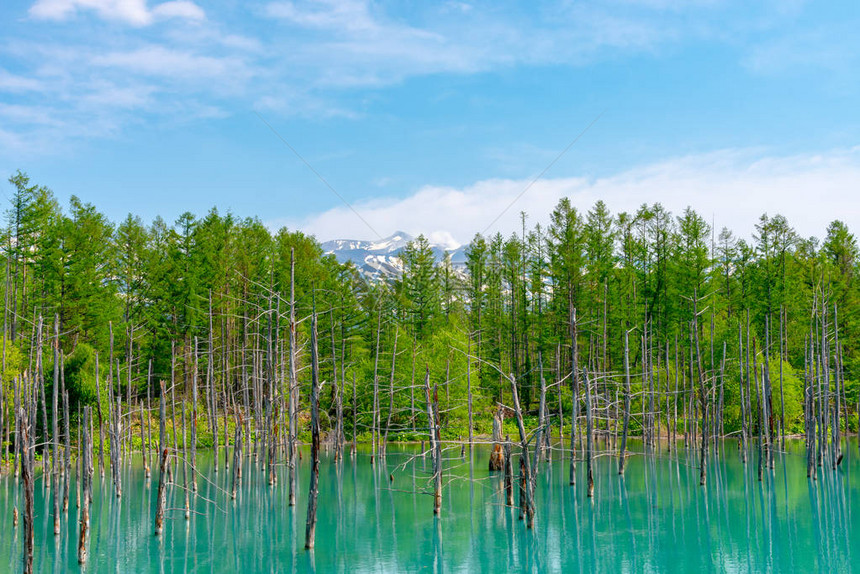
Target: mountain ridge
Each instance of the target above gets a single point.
(379, 259)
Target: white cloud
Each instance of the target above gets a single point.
(132, 12)
(339, 15)
(107, 94)
(833, 50)
(733, 187)
(179, 9)
(72, 93)
(312, 57)
(14, 83)
(354, 43)
(161, 61)
(29, 114)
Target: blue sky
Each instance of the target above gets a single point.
(434, 116)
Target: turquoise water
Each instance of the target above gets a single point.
(656, 519)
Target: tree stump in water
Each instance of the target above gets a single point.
(497, 457)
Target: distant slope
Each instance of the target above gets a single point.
(380, 259)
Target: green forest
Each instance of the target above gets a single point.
(208, 299)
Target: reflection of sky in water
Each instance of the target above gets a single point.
(657, 518)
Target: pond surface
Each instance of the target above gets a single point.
(656, 519)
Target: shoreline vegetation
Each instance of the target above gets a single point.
(155, 342)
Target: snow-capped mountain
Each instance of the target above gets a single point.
(380, 259)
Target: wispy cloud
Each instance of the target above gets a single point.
(179, 9)
(14, 83)
(132, 12)
(175, 64)
(733, 187)
(827, 49)
(310, 57)
(58, 91)
(354, 43)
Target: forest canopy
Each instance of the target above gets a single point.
(216, 286)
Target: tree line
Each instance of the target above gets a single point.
(225, 305)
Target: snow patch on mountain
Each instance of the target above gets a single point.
(380, 259)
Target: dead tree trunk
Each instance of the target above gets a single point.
(146, 470)
(354, 416)
(808, 408)
(55, 443)
(101, 421)
(523, 481)
(162, 467)
(589, 439)
(574, 389)
(144, 447)
(622, 460)
(269, 395)
(28, 480)
(759, 412)
(666, 404)
(16, 445)
(748, 381)
(117, 419)
(149, 415)
(741, 367)
(509, 472)
(435, 448)
(294, 387)
(67, 439)
(173, 408)
(528, 502)
(781, 375)
(722, 392)
(703, 399)
(310, 529)
(237, 459)
(837, 379)
(675, 397)
(543, 413)
(86, 476)
(648, 361)
(213, 397)
(194, 421)
(374, 428)
(185, 488)
(162, 482)
(390, 393)
(339, 390)
(162, 418)
(469, 389)
(40, 387)
(115, 423)
(767, 395)
(558, 378)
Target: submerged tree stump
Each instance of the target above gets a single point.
(497, 456)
